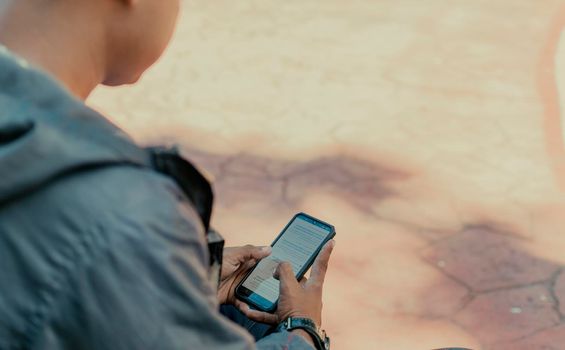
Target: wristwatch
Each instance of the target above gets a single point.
(321, 340)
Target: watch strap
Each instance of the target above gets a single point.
(321, 341)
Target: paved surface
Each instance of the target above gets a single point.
(429, 132)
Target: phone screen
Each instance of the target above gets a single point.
(297, 244)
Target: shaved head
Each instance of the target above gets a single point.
(87, 42)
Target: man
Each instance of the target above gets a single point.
(103, 243)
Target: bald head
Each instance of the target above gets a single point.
(83, 42)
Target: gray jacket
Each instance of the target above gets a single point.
(96, 252)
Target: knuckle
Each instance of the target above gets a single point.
(284, 288)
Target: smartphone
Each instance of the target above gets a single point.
(299, 243)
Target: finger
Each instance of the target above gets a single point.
(286, 277)
(249, 252)
(256, 315)
(303, 281)
(321, 264)
(247, 265)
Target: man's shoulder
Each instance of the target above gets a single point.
(130, 197)
(84, 223)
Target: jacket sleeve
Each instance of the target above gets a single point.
(145, 285)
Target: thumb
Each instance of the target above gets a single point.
(285, 275)
(254, 252)
(261, 252)
(249, 252)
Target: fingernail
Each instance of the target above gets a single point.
(266, 249)
(332, 243)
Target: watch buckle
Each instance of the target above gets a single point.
(288, 323)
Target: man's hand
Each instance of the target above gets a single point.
(303, 299)
(236, 263)
(297, 299)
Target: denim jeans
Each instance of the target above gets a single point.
(257, 330)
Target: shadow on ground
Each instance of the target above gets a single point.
(490, 286)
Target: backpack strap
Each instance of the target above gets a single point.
(198, 190)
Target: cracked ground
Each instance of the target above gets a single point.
(429, 133)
